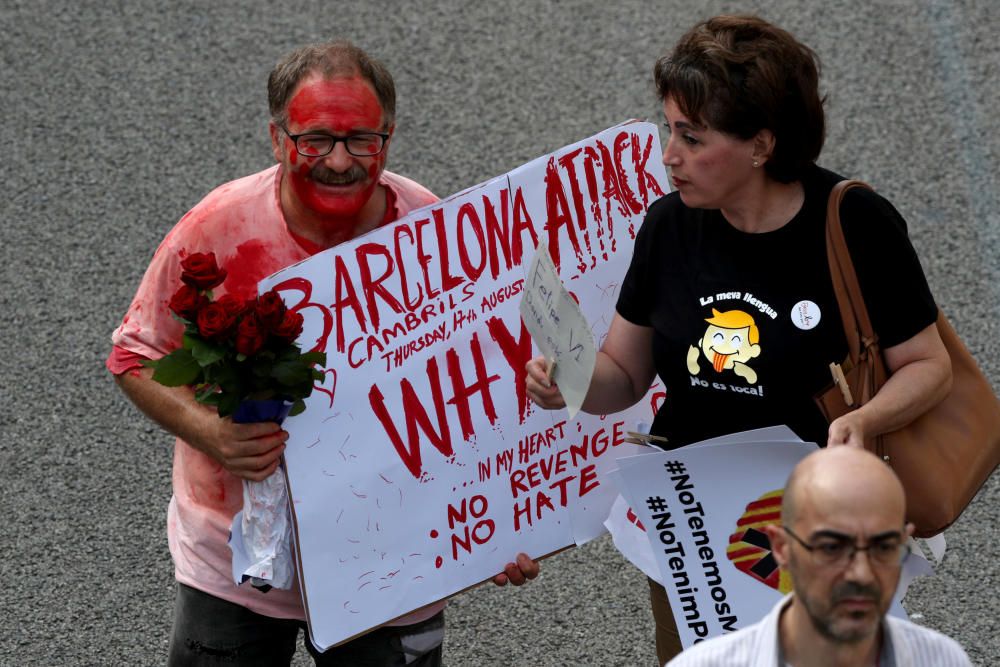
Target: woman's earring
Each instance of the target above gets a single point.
(756, 163)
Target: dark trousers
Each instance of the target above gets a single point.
(668, 640)
(209, 632)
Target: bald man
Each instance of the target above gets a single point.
(843, 540)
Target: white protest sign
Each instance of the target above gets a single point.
(560, 330)
(420, 467)
(767, 434)
(629, 534)
(688, 506)
(703, 509)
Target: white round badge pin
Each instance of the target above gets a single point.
(805, 315)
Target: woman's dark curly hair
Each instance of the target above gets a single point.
(739, 75)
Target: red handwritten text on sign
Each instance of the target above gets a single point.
(423, 467)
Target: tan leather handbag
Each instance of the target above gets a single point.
(944, 456)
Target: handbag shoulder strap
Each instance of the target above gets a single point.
(853, 313)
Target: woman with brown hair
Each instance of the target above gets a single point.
(729, 297)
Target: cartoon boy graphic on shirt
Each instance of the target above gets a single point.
(730, 341)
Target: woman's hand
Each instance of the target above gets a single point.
(921, 377)
(847, 430)
(622, 373)
(541, 390)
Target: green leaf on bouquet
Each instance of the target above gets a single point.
(228, 404)
(177, 369)
(212, 401)
(204, 351)
(231, 383)
(318, 358)
(206, 392)
(291, 373)
(262, 367)
(180, 319)
(297, 407)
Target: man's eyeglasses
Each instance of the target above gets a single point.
(315, 144)
(835, 550)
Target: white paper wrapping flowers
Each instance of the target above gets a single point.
(261, 537)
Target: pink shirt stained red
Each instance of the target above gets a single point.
(242, 223)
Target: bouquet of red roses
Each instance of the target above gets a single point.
(235, 349)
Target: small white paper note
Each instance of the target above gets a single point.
(560, 330)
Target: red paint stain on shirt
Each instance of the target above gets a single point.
(251, 263)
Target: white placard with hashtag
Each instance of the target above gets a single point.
(703, 509)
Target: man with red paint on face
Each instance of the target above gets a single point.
(332, 120)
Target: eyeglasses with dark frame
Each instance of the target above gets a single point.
(836, 550)
(318, 144)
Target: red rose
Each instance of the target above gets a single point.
(250, 337)
(290, 327)
(270, 310)
(215, 322)
(200, 271)
(234, 305)
(187, 301)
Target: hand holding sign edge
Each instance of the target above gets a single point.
(519, 572)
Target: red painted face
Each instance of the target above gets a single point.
(337, 185)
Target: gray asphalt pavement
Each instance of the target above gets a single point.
(121, 115)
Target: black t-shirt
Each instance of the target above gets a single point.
(746, 325)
